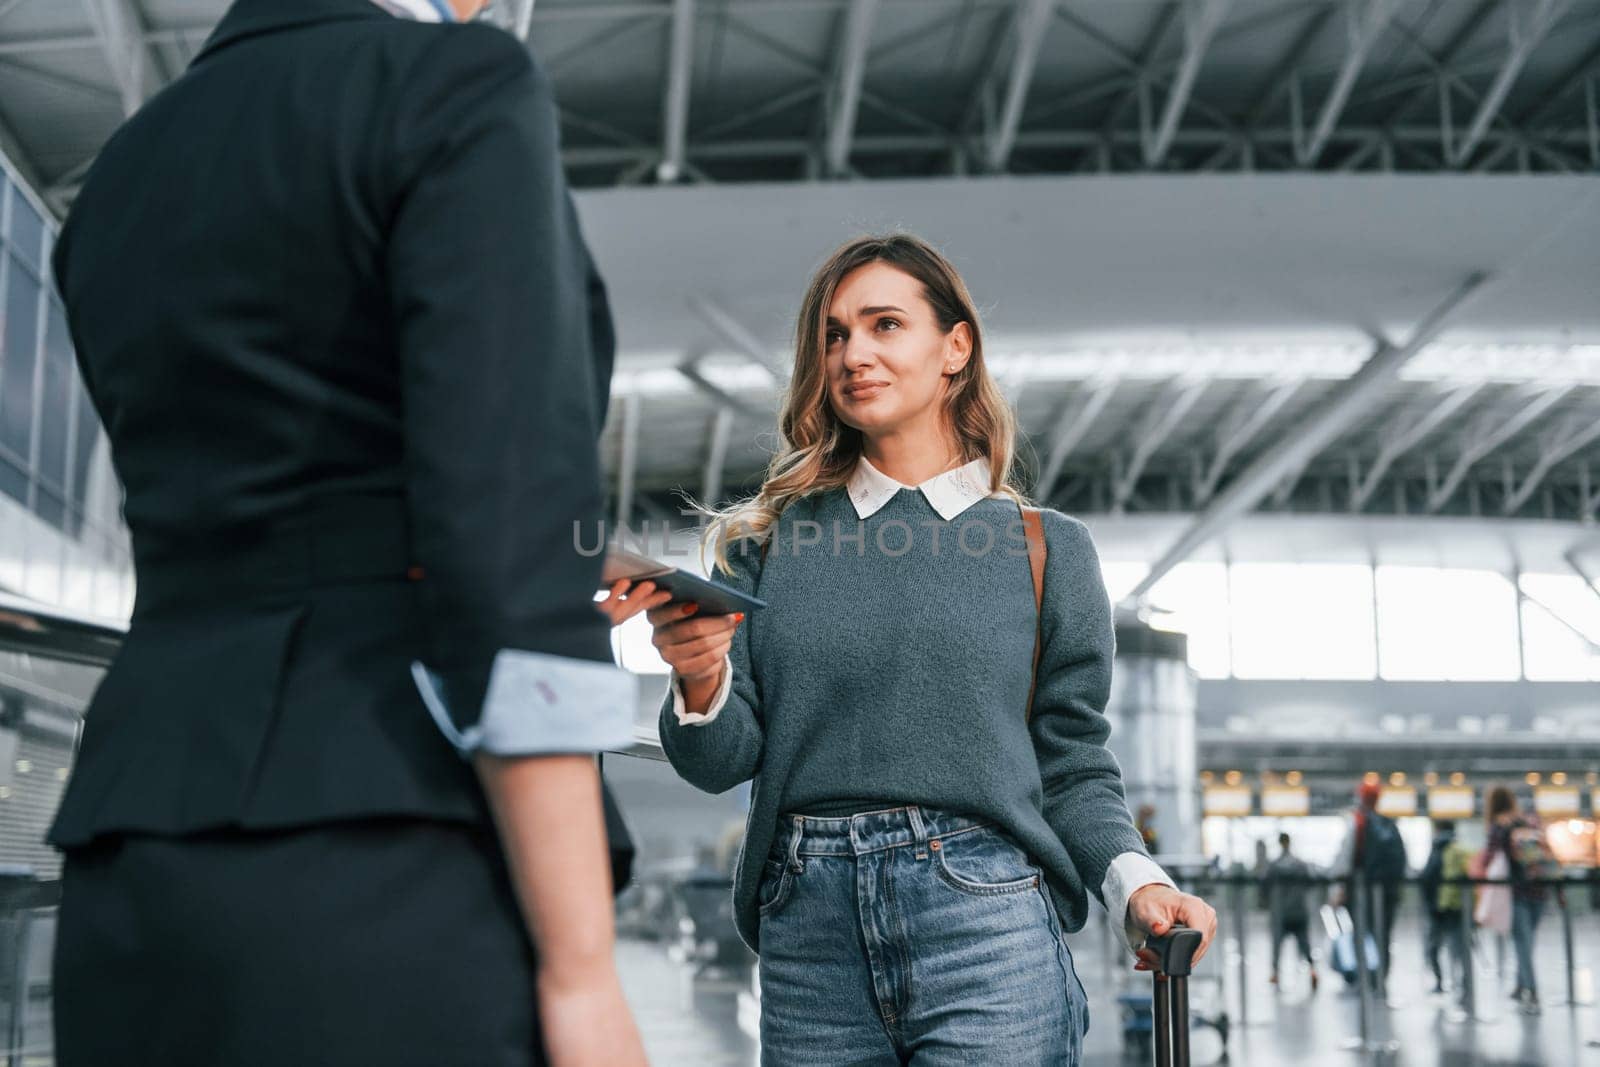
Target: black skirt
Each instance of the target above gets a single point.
(386, 942)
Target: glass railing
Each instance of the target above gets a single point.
(50, 664)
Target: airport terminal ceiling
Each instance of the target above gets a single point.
(1189, 224)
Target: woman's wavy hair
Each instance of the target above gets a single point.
(817, 451)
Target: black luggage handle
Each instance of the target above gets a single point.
(1170, 1005)
(1175, 951)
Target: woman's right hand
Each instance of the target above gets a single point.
(691, 644)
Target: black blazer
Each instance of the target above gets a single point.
(331, 301)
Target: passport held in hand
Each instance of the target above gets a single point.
(713, 597)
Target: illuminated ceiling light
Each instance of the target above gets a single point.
(1534, 777)
(1233, 777)
(1206, 777)
(61, 774)
(1398, 778)
(1371, 778)
(1593, 777)
(24, 766)
(1457, 778)
(1294, 778)
(1559, 778)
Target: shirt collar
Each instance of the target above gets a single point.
(949, 493)
(419, 10)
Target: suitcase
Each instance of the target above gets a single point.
(1342, 945)
(1174, 959)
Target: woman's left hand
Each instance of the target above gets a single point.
(1156, 909)
(623, 603)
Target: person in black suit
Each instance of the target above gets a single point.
(331, 302)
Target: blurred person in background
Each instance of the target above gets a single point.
(1289, 889)
(934, 802)
(1520, 840)
(331, 301)
(1442, 900)
(1145, 823)
(1373, 853)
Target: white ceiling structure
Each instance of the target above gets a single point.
(1247, 258)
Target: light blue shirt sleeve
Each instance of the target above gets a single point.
(537, 704)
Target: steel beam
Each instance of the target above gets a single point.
(1072, 426)
(845, 98)
(20, 158)
(1364, 140)
(1159, 422)
(1363, 28)
(675, 105)
(1031, 23)
(1201, 19)
(1574, 433)
(1404, 438)
(716, 456)
(1450, 54)
(1295, 448)
(522, 19)
(1525, 37)
(1287, 69)
(628, 460)
(690, 369)
(740, 337)
(1248, 418)
(120, 28)
(1485, 438)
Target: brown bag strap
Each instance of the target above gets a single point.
(1033, 527)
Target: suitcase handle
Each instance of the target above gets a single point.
(1170, 1007)
(1175, 951)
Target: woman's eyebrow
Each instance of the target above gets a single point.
(875, 310)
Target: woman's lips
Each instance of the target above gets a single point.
(863, 390)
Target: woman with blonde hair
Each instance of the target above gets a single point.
(933, 800)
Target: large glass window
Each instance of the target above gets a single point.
(27, 230)
(86, 434)
(1192, 599)
(1302, 620)
(1449, 625)
(19, 334)
(55, 413)
(1560, 628)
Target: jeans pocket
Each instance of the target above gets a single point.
(777, 882)
(984, 863)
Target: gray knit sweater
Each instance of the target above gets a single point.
(894, 669)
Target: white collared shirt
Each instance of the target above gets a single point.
(417, 10)
(949, 494)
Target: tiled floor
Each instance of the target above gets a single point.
(694, 1023)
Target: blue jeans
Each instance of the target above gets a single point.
(912, 936)
(1524, 925)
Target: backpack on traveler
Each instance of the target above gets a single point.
(1383, 853)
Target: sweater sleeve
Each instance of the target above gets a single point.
(1083, 794)
(719, 753)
